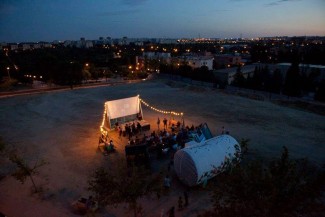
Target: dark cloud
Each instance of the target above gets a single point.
(134, 2)
(119, 12)
(280, 1)
(272, 3)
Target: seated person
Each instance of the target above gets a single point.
(178, 124)
(111, 145)
(138, 127)
(137, 140)
(139, 116)
(173, 127)
(89, 202)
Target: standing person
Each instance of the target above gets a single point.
(158, 123)
(165, 123)
(139, 127)
(186, 198)
(167, 182)
(171, 212)
(120, 132)
(127, 129)
(111, 145)
(89, 202)
(223, 130)
(130, 132)
(180, 203)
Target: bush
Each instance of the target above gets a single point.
(284, 187)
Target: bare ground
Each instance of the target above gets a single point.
(63, 128)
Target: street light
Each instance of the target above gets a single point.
(8, 69)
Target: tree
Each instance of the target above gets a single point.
(244, 145)
(293, 81)
(310, 79)
(276, 81)
(74, 73)
(239, 79)
(2, 145)
(249, 82)
(86, 74)
(25, 171)
(284, 187)
(185, 71)
(266, 79)
(123, 185)
(107, 73)
(320, 92)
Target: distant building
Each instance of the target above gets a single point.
(194, 61)
(26, 47)
(46, 45)
(138, 43)
(88, 44)
(167, 41)
(198, 62)
(13, 46)
(123, 41)
(227, 60)
(157, 55)
(56, 42)
(36, 46)
(67, 43)
(83, 43)
(226, 76)
(141, 61)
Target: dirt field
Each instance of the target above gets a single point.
(63, 128)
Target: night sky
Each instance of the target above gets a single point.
(48, 20)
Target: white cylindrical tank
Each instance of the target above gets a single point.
(197, 163)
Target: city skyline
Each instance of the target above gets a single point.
(34, 20)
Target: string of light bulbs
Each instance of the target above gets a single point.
(161, 111)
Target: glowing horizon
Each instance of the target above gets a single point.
(49, 20)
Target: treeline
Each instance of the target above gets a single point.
(66, 66)
(199, 74)
(295, 83)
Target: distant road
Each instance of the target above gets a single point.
(62, 88)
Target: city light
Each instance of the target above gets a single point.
(8, 69)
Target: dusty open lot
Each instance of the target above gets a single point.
(63, 128)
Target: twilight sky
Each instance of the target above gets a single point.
(48, 20)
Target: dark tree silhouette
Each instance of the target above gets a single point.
(24, 171)
(320, 92)
(2, 145)
(292, 85)
(123, 185)
(239, 79)
(284, 187)
(276, 81)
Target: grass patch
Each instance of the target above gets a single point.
(304, 106)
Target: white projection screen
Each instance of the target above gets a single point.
(122, 107)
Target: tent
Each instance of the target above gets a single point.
(121, 111)
(199, 162)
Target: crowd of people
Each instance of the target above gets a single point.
(164, 141)
(131, 129)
